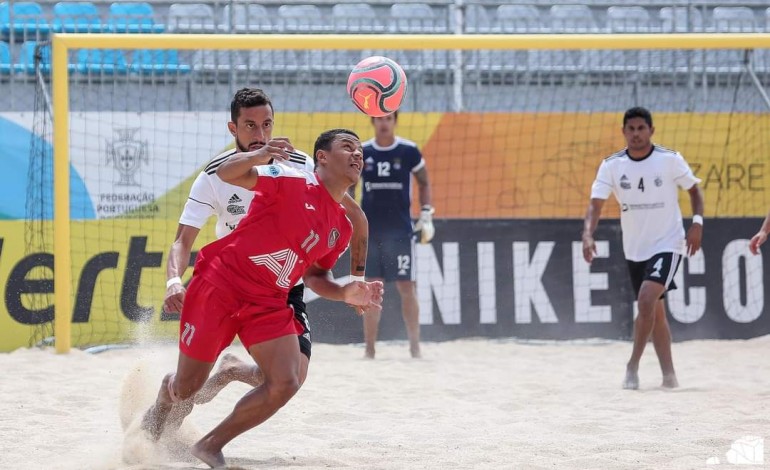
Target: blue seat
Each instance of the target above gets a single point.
(27, 58)
(5, 59)
(23, 18)
(158, 62)
(101, 61)
(77, 17)
(130, 17)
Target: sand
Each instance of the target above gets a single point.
(469, 404)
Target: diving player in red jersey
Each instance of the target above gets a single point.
(295, 228)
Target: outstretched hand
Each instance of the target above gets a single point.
(364, 296)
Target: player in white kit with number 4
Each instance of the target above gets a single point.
(645, 179)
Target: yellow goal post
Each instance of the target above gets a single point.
(62, 44)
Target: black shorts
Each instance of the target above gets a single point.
(660, 268)
(297, 302)
(391, 257)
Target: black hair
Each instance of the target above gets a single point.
(248, 98)
(324, 141)
(638, 112)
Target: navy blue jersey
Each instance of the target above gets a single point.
(387, 185)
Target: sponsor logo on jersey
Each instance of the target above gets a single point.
(396, 163)
(273, 170)
(658, 181)
(236, 209)
(624, 183)
(334, 235)
(309, 206)
(234, 199)
(231, 226)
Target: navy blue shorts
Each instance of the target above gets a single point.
(391, 257)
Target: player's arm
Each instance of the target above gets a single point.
(695, 232)
(240, 169)
(366, 295)
(425, 223)
(201, 204)
(600, 191)
(178, 259)
(359, 243)
(593, 214)
(761, 236)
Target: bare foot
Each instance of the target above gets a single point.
(669, 381)
(214, 459)
(414, 350)
(226, 373)
(631, 381)
(369, 353)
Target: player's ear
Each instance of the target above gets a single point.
(320, 156)
(652, 130)
(231, 127)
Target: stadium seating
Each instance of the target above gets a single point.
(6, 66)
(190, 18)
(27, 58)
(416, 18)
(249, 18)
(157, 62)
(77, 17)
(303, 19)
(353, 18)
(24, 19)
(101, 62)
(133, 17)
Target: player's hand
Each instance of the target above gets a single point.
(694, 237)
(757, 241)
(174, 298)
(424, 225)
(366, 295)
(276, 149)
(589, 248)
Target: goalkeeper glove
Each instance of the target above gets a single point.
(425, 224)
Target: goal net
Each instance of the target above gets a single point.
(512, 139)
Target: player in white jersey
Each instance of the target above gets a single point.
(252, 126)
(761, 236)
(645, 179)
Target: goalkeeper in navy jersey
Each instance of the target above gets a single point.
(389, 164)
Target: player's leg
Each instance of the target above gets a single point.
(205, 330)
(280, 361)
(232, 369)
(375, 272)
(410, 309)
(403, 250)
(657, 274)
(661, 339)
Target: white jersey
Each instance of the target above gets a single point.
(647, 191)
(209, 195)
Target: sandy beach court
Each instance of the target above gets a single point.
(469, 404)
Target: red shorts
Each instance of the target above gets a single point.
(211, 317)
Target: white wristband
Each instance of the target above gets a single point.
(357, 278)
(697, 219)
(172, 281)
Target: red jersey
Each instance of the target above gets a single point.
(292, 223)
